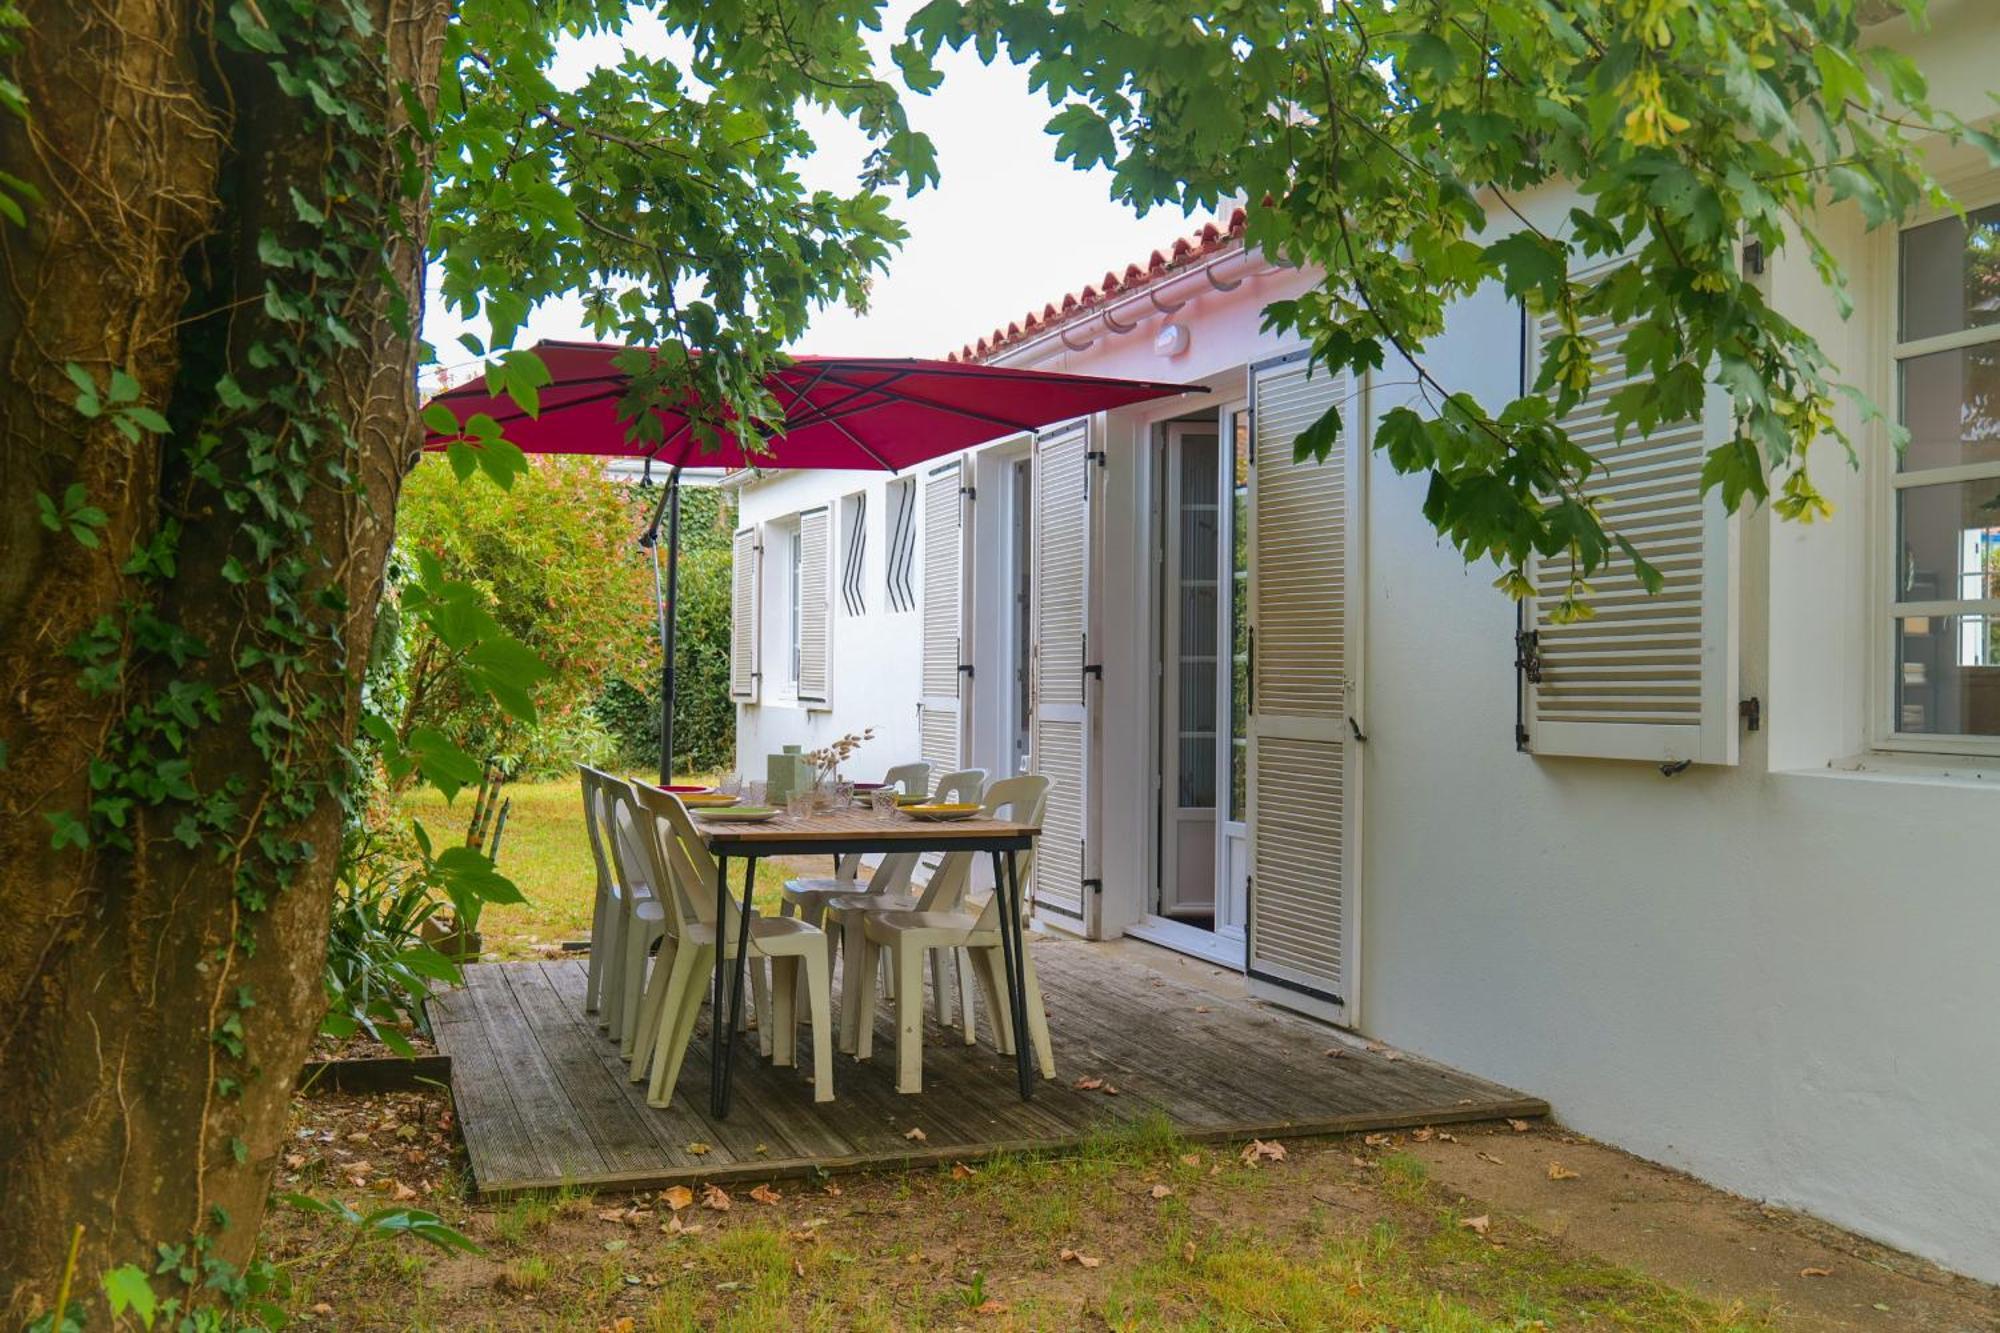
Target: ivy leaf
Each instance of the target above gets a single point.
(128, 1291)
(69, 831)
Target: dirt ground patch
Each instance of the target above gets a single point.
(1807, 1274)
(1405, 1231)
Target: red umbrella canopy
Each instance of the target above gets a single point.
(872, 413)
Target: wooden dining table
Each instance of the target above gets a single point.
(857, 832)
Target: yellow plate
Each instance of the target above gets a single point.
(709, 800)
(943, 810)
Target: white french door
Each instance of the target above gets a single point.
(1302, 768)
(1191, 681)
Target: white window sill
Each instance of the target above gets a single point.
(1909, 767)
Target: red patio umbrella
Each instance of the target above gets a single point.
(856, 413)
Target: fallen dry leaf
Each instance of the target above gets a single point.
(991, 1305)
(612, 1215)
(1078, 1257)
(1424, 1135)
(830, 1189)
(401, 1193)
(764, 1194)
(676, 1227)
(1377, 1140)
(698, 1148)
(622, 1324)
(294, 1160)
(960, 1171)
(1519, 1126)
(1334, 1052)
(677, 1197)
(1815, 1272)
(1110, 1091)
(915, 1135)
(1446, 1137)
(1190, 1159)
(715, 1197)
(1088, 1084)
(1258, 1150)
(1489, 1157)
(1162, 1191)
(1187, 1251)
(1557, 1171)
(1201, 1009)
(1477, 1225)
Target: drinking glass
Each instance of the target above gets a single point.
(843, 796)
(731, 785)
(752, 792)
(799, 804)
(884, 801)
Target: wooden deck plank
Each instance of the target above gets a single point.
(798, 1130)
(1217, 1067)
(480, 1094)
(538, 1098)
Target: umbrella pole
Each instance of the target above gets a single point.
(668, 603)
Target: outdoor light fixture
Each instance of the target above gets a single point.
(1171, 340)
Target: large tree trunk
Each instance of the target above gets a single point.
(129, 1103)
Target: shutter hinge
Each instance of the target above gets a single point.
(969, 492)
(1528, 655)
(965, 670)
(1093, 885)
(1751, 710)
(1097, 456)
(1521, 737)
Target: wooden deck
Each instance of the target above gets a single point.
(543, 1099)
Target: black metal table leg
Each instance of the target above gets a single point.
(736, 992)
(1013, 957)
(720, 1034)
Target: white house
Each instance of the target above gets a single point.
(1717, 873)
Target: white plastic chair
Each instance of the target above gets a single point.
(673, 999)
(642, 922)
(841, 918)
(806, 897)
(603, 952)
(625, 920)
(941, 924)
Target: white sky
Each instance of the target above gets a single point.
(1007, 227)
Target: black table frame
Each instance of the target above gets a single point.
(1005, 848)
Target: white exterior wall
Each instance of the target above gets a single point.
(1779, 976)
(874, 671)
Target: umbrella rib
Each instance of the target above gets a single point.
(932, 403)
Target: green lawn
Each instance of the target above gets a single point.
(545, 851)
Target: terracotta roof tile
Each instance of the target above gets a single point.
(1185, 251)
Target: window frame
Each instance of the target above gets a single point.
(1974, 192)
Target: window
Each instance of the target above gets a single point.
(1944, 501)
(901, 563)
(853, 553)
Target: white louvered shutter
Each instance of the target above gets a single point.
(743, 616)
(1301, 778)
(1059, 736)
(815, 605)
(941, 720)
(1649, 676)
